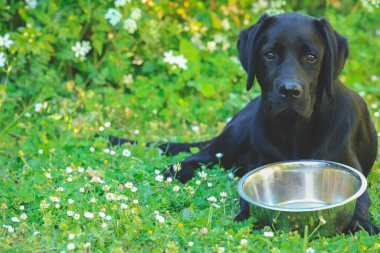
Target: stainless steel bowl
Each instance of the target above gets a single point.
(291, 195)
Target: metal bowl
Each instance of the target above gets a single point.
(296, 194)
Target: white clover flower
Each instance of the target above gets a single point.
(226, 24)
(71, 236)
(102, 215)
(31, 4)
(22, 207)
(211, 199)
(15, 219)
(191, 244)
(60, 189)
(87, 244)
(198, 182)
(219, 155)
(119, 3)
(108, 217)
(104, 225)
(157, 172)
(130, 25)
(5, 41)
(128, 79)
(209, 185)
(169, 180)
(80, 169)
(71, 246)
(57, 206)
(134, 189)
(81, 190)
(88, 215)
(92, 149)
(70, 201)
(38, 107)
(129, 185)
(113, 16)
(68, 170)
(28, 114)
(54, 199)
(268, 234)
(211, 46)
(176, 188)
(223, 194)
(195, 128)
(106, 187)
(40, 151)
(101, 128)
(124, 206)
(137, 131)
(70, 213)
(76, 216)
(107, 124)
(136, 14)
(135, 201)
(126, 153)
(177, 167)
(160, 218)
(159, 178)
(24, 216)
(10, 228)
(203, 174)
(93, 200)
(310, 250)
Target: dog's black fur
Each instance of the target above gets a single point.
(304, 111)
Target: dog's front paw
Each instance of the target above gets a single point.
(242, 216)
(183, 175)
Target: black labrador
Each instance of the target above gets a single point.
(304, 111)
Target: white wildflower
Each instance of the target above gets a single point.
(88, 215)
(195, 128)
(176, 188)
(119, 3)
(54, 199)
(244, 242)
(69, 170)
(102, 215)
(177, 167)
(81, 49)
(310, 250)
(211, 46)
(22, 207)
(92, 149)
(160, 218)
(10, 228)
(134, 189)
(57, 206)
(113, 16)
(226, 24)
(268, 233)
(15, 219)
(40, 151)
(104, 225)
(129, 185)
(209, 185)
(136, 14)
(124, 206)
(31, 4)
(80, 169)
(128, 79)
(219, 155)
(159, 178)
(76, 216)
(211, 199)
(223, 194)
(71, 236)
(70, 213)
(191, 244)
(203, 174)
(107, 124)
(130, 25)
(70, 201)
(71, 246)
(126, 153)
(5, 41)
(87, 244)
(38, 107)
(108, 217)
(24, 216)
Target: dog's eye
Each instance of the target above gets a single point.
(270, 55)
(311, 58)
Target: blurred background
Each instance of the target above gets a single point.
(156, 69)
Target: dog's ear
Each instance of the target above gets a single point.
(247, 46)
(336, 53)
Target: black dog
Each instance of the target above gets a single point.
(304, 112)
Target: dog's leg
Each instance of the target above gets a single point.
(361, 217)
(244, 211)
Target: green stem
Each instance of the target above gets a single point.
(305, 238)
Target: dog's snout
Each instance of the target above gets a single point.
(290, 89)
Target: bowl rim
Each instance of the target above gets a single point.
(357, 194)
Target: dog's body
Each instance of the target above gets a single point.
(304, 112)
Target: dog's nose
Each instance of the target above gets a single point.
(290, 89)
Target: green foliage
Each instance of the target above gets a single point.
(57, 92)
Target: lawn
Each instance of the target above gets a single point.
(74, 72)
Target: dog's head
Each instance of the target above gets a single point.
(295, 58)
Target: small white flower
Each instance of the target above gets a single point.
(124, 206)
(219, 155)
(113, 16)
(81, 49)
(181, 61)
(57, 206)
(107, 150)
(203, 174)
(31, 4)
(76, 216)
(15, 219)
(92, 149)
(70, 179)
(130, 25)
(28, 115)
(129, 185)
(69, 170)
(137, 131)
(135, 201)
(70, 201)
(310, 250)
(93, 200)
(87, 244)
(169, 180)
(102, 215)
(268, 233)
(101, 128)
(176, 188)
(54, 199)
(159, 178)
(48, 175)
(157, 172)
(136, 14)
(22, 207)
(211, 46)
(231, 175)
(71, 246)
(36, 233)
(215, 205)
(60, 189)
(244, 242)
(322, 220)
(70, 213)
(195, 128)
(104, 225)
(211, 199)
(40, 151)
(128, 79)
(119, 3)
(24, 216)
(126, 153)
(108, 217)
(81, 190)
(107, 124)
(160, 218)
(80, 169)
(177, 167)
(198, 182)
(3, 60)
(10, 228)
(71, 236)
(376, 114)
(223, 194)
(88, 215)
(112, 152)
(209, 185)
(191, 244)
(38, 107)
(133, 189)
(226, 24)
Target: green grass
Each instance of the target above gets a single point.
(76, 97)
